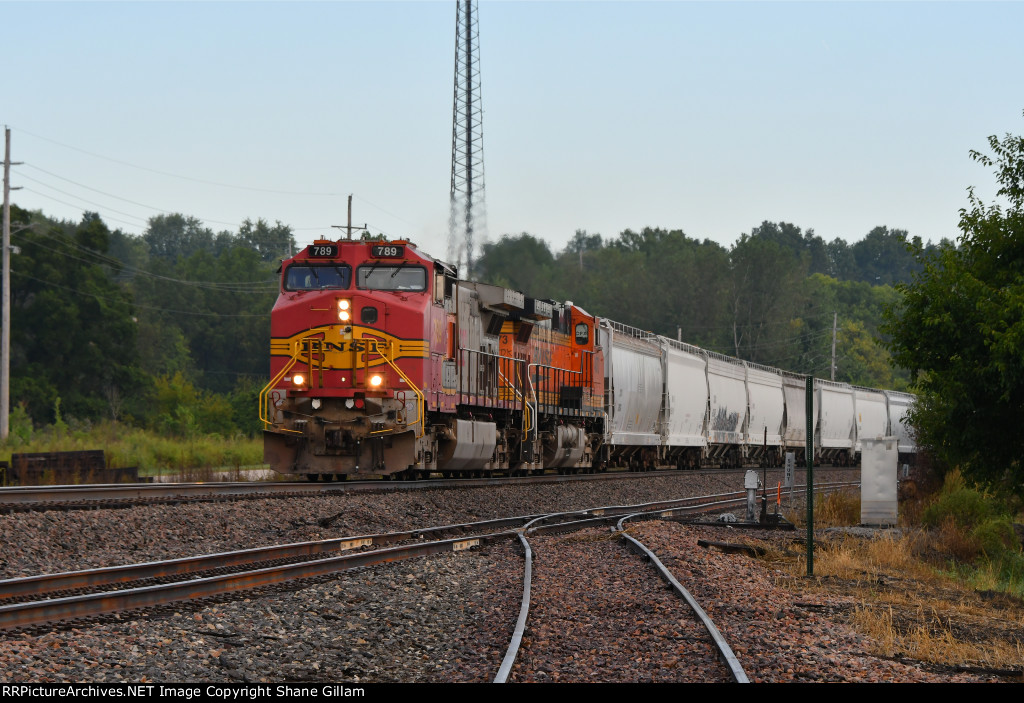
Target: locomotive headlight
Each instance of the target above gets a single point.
(376, 380)
(344, 310)
(298, 379)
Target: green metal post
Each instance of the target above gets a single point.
(810, 475)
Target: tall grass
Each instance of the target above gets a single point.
(912, 584)
(151, 453)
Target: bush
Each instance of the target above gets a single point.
(966, 507)
(20, 424)
(996, 536)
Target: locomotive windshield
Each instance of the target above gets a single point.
(413, 278)
(317, 276)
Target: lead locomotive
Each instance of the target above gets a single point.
(384, 363)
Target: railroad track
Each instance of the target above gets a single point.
(566, 645)
(37, 600)
(113, 496)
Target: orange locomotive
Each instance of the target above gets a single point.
(384, 363)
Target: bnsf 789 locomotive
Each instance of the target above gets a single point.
(384, 363)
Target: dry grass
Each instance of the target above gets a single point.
(906, 606)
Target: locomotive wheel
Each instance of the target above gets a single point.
(312, 477)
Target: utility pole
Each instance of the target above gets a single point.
(835, 319)
(348, 227)
(5, 342)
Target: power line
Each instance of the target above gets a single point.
(64, 202)
(227, 286)
(133, 304)
(127, 200)
(234, 186)
(178, 175)
(110, 195)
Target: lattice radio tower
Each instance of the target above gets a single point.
(467, 215)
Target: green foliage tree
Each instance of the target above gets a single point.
(518, 261)
(207, 314)
(960, 330)
(73, 329)
(175, 235)
(272, 243)
(764, 296)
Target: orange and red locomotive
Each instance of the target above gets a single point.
(384, 363)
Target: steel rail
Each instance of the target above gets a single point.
(524, 612)
(602, 516)
(74, 607)
(724, 650)
(50, 496)
(533, 527)
(43, 584)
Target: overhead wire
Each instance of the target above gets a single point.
(97, 257)
(145, 220)
(327, 194)
(227, 286)
(178, 175)
(109, 195)
(64, 202)
(133, 304)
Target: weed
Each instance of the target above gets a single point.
(151, 453)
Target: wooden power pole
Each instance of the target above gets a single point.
(5, 341)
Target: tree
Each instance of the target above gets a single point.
(960, 330)
(173, 236)
(518, 261)
(272, 243)
(73, 332)
(885, 257)
(766, 278)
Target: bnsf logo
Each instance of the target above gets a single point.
(355, 346)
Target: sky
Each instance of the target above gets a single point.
(601, 116)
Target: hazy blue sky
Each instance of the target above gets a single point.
(710, 117)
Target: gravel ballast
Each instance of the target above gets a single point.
(443, 618)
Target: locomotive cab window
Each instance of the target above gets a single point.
(582, 334)
(400, 278)
(317, 276)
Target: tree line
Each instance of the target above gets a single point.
(168, 330)
(771, 298)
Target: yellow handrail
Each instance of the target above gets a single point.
(420, 398)
(265, 393)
